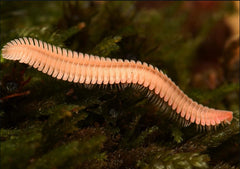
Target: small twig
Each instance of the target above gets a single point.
(15, 95)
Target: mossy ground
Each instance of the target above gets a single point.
(48, 123)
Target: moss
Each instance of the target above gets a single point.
(56, 124)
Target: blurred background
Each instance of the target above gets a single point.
(47, 123)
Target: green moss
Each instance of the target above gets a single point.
(64, 125)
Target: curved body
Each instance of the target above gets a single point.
(88, 69)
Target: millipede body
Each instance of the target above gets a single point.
(82, 68)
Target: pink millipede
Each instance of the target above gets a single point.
(88, 69)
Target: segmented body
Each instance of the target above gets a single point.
(88, 69)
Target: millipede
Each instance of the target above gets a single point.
(87, 69)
